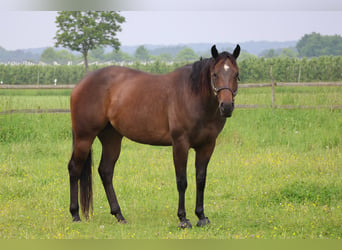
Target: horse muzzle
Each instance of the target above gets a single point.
(226, 109)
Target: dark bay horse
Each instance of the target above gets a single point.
(185, 109)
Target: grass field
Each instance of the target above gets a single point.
(275, 174)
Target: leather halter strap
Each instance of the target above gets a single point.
(217, 90)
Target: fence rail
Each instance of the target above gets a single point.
(244, 85)
(34, 111)
(291, 84)
(37, 86)
(245, 106)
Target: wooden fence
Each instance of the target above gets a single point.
(241, 85)
(37, 86)
(272, 85)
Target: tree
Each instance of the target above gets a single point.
(84, 31)
(165, 57)
(97, 53)
(270, 53)
(186, 54)
(314, 44)
(142, 54)
(63, 57)
(288, 52)
(49, 55)
(118, 56)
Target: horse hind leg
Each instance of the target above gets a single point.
(111, 147)
(80, 171)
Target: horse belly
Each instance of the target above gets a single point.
(147, 124)
(144, 131)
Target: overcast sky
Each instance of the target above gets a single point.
(33, 29)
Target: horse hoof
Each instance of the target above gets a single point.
(203, 222)
(120, 218)
(184, 224)
(76, 219)
(122, 221)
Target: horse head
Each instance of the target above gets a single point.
(224, 75)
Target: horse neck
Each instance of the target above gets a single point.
(204, 103)
(207, 98)
(210, 104)
(203, 97)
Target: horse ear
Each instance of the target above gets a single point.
(214, 51)
(236, 52)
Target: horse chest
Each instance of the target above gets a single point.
(203, 133)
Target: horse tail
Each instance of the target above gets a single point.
(86, 189)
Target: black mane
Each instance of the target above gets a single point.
(200, 77)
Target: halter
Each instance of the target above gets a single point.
(217, 90)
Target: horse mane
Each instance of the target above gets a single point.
(200, 77)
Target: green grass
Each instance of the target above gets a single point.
(275, 174)
(310, 96)
(34, 99)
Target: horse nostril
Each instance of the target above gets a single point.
(226, 109)
(226, 106)
(222, 107)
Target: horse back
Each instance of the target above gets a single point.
(137, 104)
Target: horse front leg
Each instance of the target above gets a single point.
(180, 158)
(203, 155)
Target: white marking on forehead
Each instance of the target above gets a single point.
(226, 67)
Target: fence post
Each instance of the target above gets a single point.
(273, 87)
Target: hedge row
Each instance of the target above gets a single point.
(325, 68)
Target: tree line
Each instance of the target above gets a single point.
(311, 45)
(252, 70)
(142, 54)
